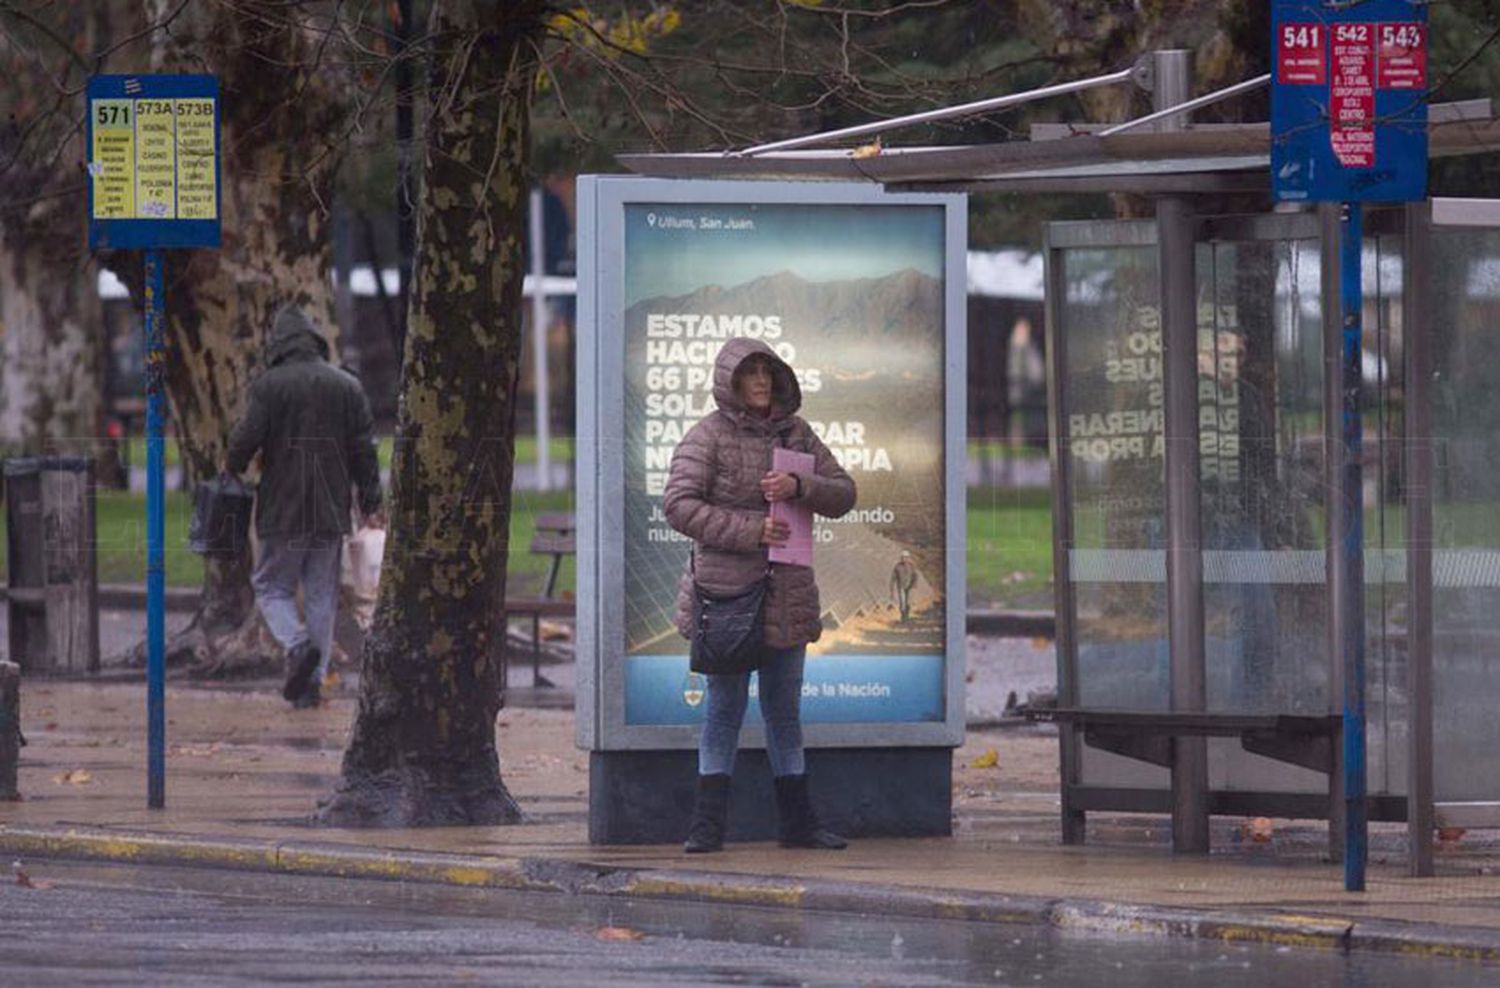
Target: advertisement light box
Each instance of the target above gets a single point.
(863, 294)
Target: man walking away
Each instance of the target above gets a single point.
(311, 424)
(903, 582)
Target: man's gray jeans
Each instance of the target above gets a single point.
(312, 563)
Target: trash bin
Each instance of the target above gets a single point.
(52, 577)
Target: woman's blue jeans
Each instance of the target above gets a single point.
(780, 676)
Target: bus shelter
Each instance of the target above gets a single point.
(1194, 403)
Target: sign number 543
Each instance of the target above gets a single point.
(1401, 36)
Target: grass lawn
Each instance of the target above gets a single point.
(122, 540)
(1010, 550)
(526, 450)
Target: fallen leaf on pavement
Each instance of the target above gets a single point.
(26, 881)
(989, 759)
(618, 933)
(77, 777)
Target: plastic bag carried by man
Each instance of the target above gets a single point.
(311, 424)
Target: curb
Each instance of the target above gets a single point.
(313, 858)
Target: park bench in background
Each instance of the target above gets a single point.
(556, 536)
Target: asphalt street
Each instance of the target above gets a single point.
(77, 924)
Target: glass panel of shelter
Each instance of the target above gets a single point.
(1261, 444)
(1462, 324)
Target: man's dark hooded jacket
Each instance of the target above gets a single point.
(312, 425)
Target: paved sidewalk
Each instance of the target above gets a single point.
(245, 772)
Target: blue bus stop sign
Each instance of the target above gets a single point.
(1349, 101)
(153, 146)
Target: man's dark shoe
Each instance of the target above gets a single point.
(710, 810)
(796, 820)
(310, 698)
(301, 662)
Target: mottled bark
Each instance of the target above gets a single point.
(422, 752)
(51, 340)
(280, 112)
(51, 380)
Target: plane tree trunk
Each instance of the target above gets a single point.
(51, 321)
(422, 751)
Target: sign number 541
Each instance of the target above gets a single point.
(1302, 36)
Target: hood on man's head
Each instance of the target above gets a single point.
(294, 335)
(786, 393)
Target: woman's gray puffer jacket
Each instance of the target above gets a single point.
(713, 496)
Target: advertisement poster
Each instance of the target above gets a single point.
(852, 297)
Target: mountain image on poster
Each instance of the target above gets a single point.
(868, 353)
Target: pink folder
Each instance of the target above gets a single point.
(798, 550)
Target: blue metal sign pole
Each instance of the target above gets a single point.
(1349, 125)
(167, 195)
(1351, 301)
(156, 577)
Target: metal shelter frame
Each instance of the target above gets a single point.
(1172, 162)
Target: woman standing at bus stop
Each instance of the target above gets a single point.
(718, 494)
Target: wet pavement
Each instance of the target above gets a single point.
(89, 924)
(246, 771)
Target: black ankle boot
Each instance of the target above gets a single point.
(710, 810)
(301, 663)
(797, 822)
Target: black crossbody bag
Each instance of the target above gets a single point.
(729, 630)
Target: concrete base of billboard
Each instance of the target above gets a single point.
(646, 797)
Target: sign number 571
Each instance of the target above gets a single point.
(112, 114)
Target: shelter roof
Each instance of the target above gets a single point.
(1200, 158)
